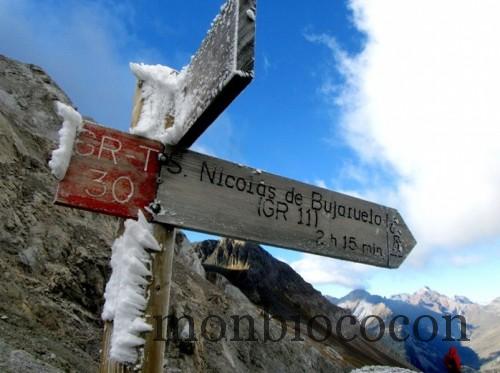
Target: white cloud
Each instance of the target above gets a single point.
(202, 149)
(321, 183)
(467, 260)
(422, 99)
(319, 270)
(82, 45)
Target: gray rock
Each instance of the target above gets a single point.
(187, 255)
(47, 289)
(15, 361)
(21, 361)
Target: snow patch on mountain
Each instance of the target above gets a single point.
(437, 302)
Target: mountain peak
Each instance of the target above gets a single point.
(482, 324)
(496, 301)
(463, 299)
(358, 294)
(426, 290)
(494, 306)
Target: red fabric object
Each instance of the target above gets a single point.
(452, 361)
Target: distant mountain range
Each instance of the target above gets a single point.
(482, 326)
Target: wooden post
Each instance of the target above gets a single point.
(106, 365)
(159, 291)
(161, 268)
(159, 300)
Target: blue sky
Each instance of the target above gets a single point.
(394, 100)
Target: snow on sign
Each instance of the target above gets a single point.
(110, 172)
(221, 68)
(215, 196)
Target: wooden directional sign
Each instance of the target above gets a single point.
(221, 68)
(211, 195)
(111, 172)
(117, 173)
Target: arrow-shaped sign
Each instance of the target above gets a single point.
(215, 196)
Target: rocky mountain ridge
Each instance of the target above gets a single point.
(481, 352)
(275, 287)
(428, 298)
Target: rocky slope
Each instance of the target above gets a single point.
(196, 297)
(481, 352)
(275, 287)
(54, 263)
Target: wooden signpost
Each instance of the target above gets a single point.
(211, 195)
(117, 173)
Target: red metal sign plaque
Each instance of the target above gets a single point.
(110, 172)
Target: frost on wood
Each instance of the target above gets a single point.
(126, 290)
(174, 102)
(158, 93)
(72, 124)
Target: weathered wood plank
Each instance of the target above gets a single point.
(153, 354)
(211, 195)
(106, 364)
(111, 172)
(159, 299)
(221, 68)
